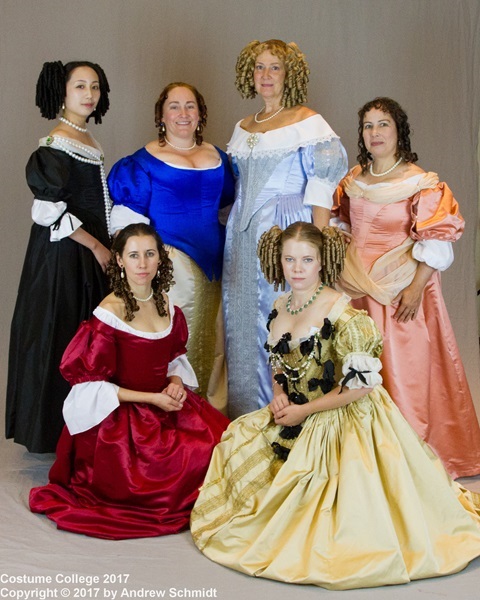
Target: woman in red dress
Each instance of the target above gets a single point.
(137, 440)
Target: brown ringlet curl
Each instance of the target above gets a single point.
(392, 108)
(162, 282)
(202, 111)
(329, 241)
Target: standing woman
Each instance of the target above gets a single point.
(178, 183)
(288, 161)
(403, 222)
(63, 275)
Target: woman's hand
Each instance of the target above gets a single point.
(166, 402)
(175, 391)
(291, 415)
(102, 254)
(408, 300)
(279, 402)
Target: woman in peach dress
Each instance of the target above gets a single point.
(402, 222)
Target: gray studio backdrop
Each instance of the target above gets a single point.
(423, 53)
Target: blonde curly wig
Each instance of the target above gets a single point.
(296, 70)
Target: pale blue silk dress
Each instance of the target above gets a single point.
(281, 175)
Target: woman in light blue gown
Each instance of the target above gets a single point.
(288, 161)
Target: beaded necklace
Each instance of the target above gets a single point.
(307, 303)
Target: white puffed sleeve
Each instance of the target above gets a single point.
(88, 404)
(361, 370)
(437, 254)
(121, 216)
(325, 164)
(55, 215)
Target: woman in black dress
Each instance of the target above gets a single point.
(63, 275)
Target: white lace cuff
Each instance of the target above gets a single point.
(121, 216)
(183, 369)
(88, 404)
(55, 215)
(438, 254)
(361, 370)
(319, 192)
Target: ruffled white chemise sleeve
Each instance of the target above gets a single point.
(435, 253)
(55, 215)
(359, 345)
(325, 164)
(121, 216)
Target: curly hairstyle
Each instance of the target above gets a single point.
(202, 110)
(389, 106)
(296, 70)
(329, 241)
(52, 86)
(160, 283)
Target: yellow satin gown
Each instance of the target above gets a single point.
(360, 501)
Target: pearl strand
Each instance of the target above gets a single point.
(70, 124)
(90, 161)
(268, 118)
(385, 172)
(149, 297)
(179, 147)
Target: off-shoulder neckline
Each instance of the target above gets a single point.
(107, 317)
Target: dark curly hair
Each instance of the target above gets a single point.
(202, 110)
(296, 70)
(52, 86)
(161, 282)
(389, 106)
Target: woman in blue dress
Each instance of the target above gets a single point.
(289, 161)
(178, 183)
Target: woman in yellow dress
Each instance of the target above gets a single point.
(328, 485)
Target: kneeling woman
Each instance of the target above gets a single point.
(328, 485)
(137, 440)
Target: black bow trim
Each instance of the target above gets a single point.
(280, 451)
(327, 330)
(290, 433)
(56, 225)
(282, 347)
(353, 373)
(328, 380)
(273, 314)
(282, 380)
(307, 346)
(297, 398)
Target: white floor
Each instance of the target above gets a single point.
(168, 567)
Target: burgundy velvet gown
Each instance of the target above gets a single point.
(136, 473)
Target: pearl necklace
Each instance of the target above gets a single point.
(307, 303)
(149, 297)
(70, 124)
(268, 118)
(91, 161)
(385, 172)
(179, 147)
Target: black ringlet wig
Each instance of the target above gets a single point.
(52, 83)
